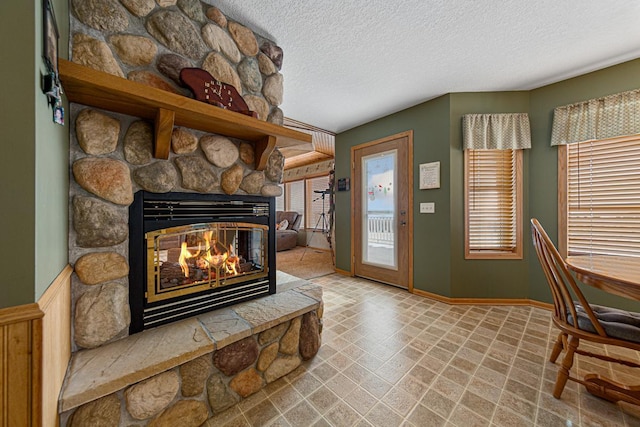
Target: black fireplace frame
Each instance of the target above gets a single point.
(144, 216)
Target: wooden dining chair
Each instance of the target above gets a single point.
(594, 323)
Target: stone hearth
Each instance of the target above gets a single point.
(197, 367)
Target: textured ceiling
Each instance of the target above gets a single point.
(349, 62)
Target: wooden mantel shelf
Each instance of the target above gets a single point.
(95, 88)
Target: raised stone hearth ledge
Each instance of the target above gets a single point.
(98, 372)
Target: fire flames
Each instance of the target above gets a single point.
(214, 255)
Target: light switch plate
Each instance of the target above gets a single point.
(427, 207)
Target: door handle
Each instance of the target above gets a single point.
(403, 223)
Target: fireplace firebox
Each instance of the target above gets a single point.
(192, 253)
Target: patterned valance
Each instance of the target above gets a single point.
(496, 131)
(601, 118)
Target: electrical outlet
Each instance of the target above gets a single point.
(428, 207)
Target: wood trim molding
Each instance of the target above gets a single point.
(57, 286)
(517, 252)
(410, 205)
(483, 301)
(405, 134)
(35, 348)
(344, 272)
(26, 312)
(352, 220)
(55, 343)
(20, 313)
(562, 200)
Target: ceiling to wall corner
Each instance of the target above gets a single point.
(348, 63)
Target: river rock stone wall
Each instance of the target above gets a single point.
(198, 391)
(107, 168)
(150, 41)
(111, 155)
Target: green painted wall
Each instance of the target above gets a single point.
(481, 278)
(430, 124)
(439, 264)
(543, 176)
(34, 163)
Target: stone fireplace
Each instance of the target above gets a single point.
(116, 158)
(111, 175)
(147, 272)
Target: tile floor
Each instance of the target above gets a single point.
(390, 358)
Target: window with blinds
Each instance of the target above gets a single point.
(280, 202)
(493, 204)
(294, 196)
(603, 197)
(306, 197)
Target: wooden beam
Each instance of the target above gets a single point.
(263, 148)
(94, 88)
(164, 129)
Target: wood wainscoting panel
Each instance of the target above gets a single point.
(56, 343)
(17, 378)
(35, 347)
(19, 357)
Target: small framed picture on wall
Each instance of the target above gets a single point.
(50, 80)
(51, 35)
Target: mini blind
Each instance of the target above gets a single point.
(491, 200)
(603, 197)
(280, 205)
(295, 198)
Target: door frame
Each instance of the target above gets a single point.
(409, 135)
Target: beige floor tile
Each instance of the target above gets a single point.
(438, 403)
(478, 405)
(504, 417)
(400, 401)
(465, 417)
(324, 371)
(518, 406)
(361, 400)
(448, 388)
(322, 422)
(382, 415)
(323, 399)
(303, 414)
(456, 375)
(423, 416)
(523, 391)
(342, 415)
(356, 372)
(375, 385)
(281, 421)
(422, 374)
(262, 413)
(390, 358)
(341, 385)
(481, 388)
(285, 398)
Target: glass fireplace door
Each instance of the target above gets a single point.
(192, 258)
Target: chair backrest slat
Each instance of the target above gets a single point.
(564, 288)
